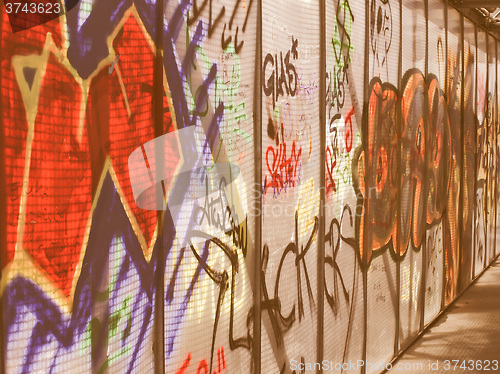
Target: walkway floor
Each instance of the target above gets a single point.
(468, 330)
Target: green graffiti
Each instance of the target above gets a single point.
(225, 91)
(341, 41)
(341, 48)
(95, 326)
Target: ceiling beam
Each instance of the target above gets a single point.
(475, 3)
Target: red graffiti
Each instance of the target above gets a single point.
(331, 162)
(282, 166)
(185, 365)
(68, 150)
(203, 367)
(348, 130)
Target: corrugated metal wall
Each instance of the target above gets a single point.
(341, 188)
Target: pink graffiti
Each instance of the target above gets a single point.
(282, 167)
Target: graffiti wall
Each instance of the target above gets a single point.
(215, 186)
(344, 324)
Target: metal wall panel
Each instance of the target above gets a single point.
(454, 92)
(291, 180)
(343, 290)
(480, 231)
(438, 125)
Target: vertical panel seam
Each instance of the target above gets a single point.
(3, 208)
(475, 161)
(495, 105)
(462, 155)
(157, 107)
(257, 132)
(486, 88)
(364, 124)
(445, 86)
(398, 262)
(424, 241)
(322, 172)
